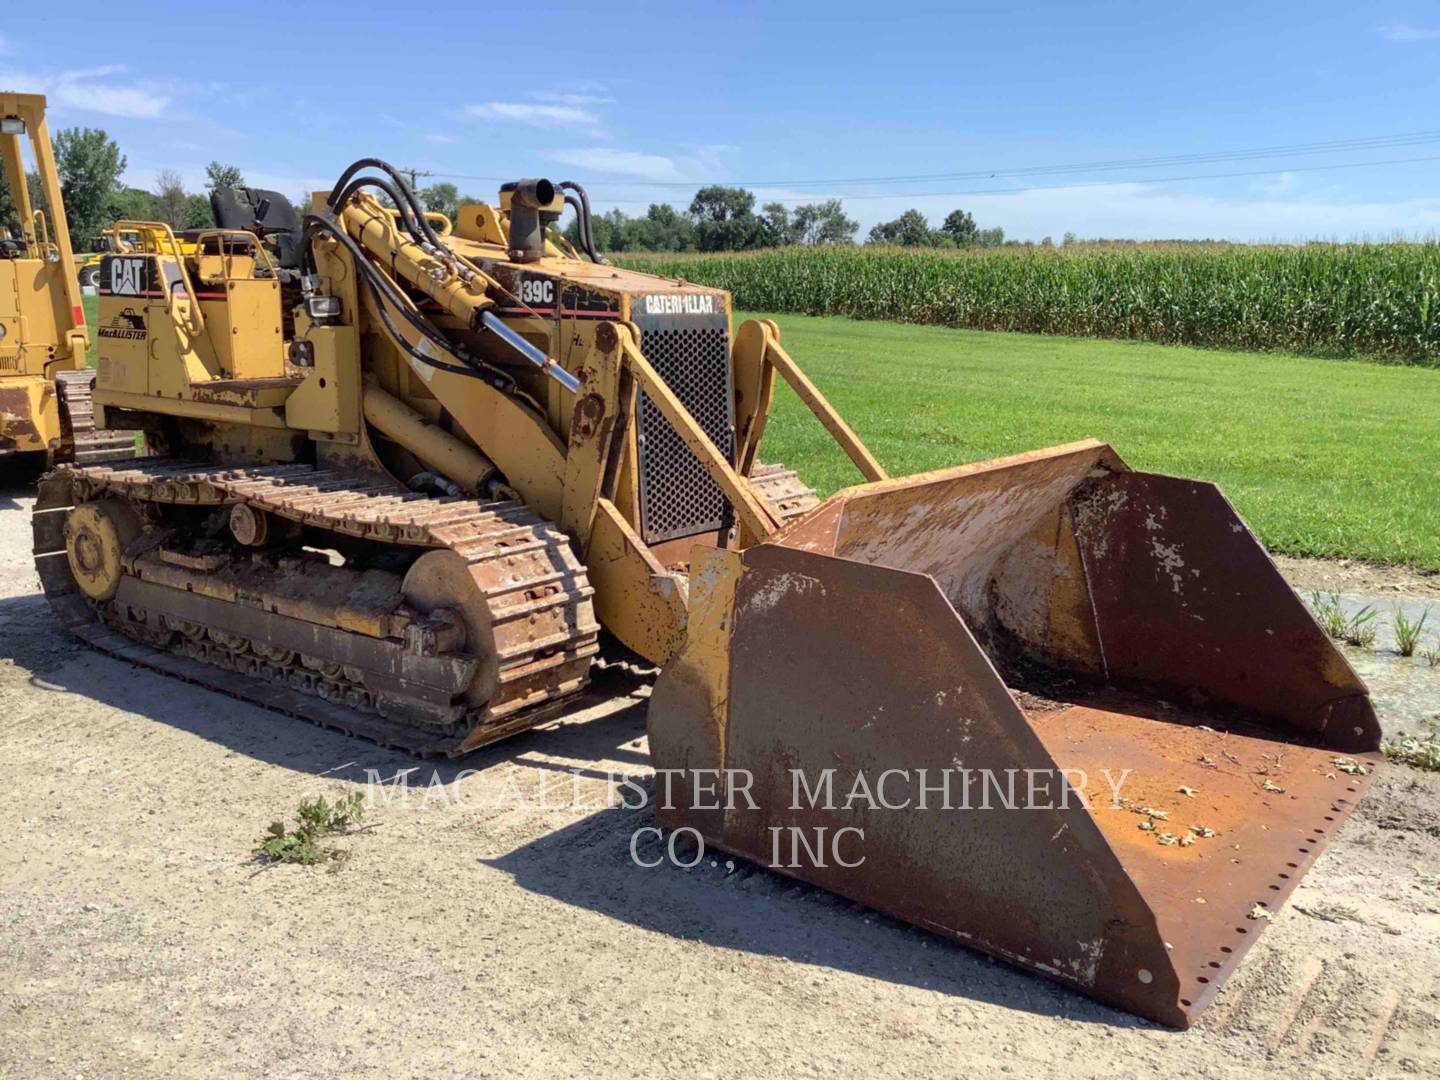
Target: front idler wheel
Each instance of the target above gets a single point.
(96, 536)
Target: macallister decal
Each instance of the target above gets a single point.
(127, 326)
(680, 304)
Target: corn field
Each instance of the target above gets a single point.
(1379, 301)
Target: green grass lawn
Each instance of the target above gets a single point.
(1321, 457)
(92, 316)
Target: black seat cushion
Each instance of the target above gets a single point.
(267, 213)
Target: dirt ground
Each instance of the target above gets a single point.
(469, 934)
(1346, 576)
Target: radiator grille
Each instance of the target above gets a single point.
(677, 496)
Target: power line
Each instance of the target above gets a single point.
(1086, 184)
(1333, 146)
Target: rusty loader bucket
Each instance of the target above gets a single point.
(1052, 708)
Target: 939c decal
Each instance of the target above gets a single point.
(534, 295)
(538, 291)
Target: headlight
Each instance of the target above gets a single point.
(322, 307)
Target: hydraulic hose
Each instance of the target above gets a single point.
(382, 288)
(404, 195)
(582, 212)
(406, 218)
(574, 204)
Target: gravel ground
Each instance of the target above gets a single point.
(473, 931)
(1345, 576)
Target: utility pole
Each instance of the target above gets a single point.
(415, 175)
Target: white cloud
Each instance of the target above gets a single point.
(1149, 212)
(1405, 32)
(521, 112)
(288, 184)
(140, 172)
(124, 101)
(1281, 185)
(574, 99)
(619, 162)
(93, 90)
(691, 163)
(440, 138)
(1130, 211)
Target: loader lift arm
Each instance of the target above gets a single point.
(465, 291)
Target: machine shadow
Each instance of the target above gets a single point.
(33, 641)
(732, 904)
(16, 483)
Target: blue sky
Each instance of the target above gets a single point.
(641, 102)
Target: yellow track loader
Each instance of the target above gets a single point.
(413, 476)
(45, 413)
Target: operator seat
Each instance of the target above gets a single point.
(268, 214)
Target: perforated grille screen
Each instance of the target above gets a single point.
(677, 496)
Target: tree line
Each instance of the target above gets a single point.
(911, 229)
(719, 218)
(89, 166)
(723, 218)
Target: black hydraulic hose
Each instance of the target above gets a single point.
(399, 340)
(378, 284)
(574, 204)
(488, 321)
(582, 212)
(404, 190)
(582, 227)
(371, 163)
(587, 226)
(406, 219)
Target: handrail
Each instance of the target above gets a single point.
(161, 230)
(144, 231)
(255, 243)
(45, 248)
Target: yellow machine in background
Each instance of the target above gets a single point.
(413, 479)
(118, 242)
(45, 409)
(42, 332)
